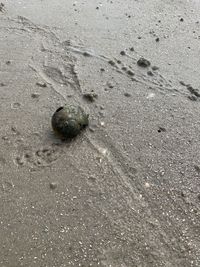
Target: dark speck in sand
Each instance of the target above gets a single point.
(102, 69)
(86, 54)
(122, 53)
(110, 85)
(124, 68)
(181, 19)
(111, 62)
(132, 49)
(157, 39)
(102, 107)
(40, 84)
(130, 72)
(127, 94)
(155, 68)
(150, 73)
(183, 194)
(182, 83)
(53, 185)
(161, 129)
(35, 95)
(144, 63)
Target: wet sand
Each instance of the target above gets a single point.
(126, 192)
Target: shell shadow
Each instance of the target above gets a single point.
(55, 139)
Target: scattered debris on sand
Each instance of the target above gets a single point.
(90, 97)
(2, 7)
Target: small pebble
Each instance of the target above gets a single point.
(181, 19)
(183, 193)
(161, 129)
(91, 129)
(150, 73)
(122, 53)
(132, 49)
(127, 94)
(110, 85)
(90, 96)
(86, 54)
(155, 68)
(35, 95)
(157, 39)
(130, 72)
(144, 63)
(53, 185)
(20, 161)
(124, 68)
(111, 62)
(41, 84)
(102, 69)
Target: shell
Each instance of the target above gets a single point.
(69, 120)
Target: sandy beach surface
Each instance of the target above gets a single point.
(126, 191)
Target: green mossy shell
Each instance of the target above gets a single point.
(68, 121)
